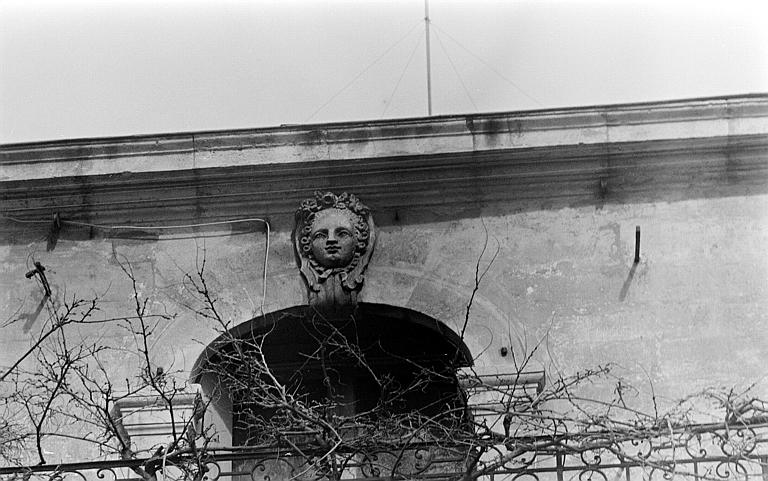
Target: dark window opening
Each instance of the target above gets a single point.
(384, 363)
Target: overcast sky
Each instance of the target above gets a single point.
(73, 69)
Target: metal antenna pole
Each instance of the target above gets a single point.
(429, 60)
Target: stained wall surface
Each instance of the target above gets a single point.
(551, 227)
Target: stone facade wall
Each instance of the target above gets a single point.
(692, 313)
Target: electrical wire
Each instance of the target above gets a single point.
(487, 64)
(402, 74)
(170, 227)
(25, 221)
(614, 169)
(164, 227)
(456, 71)
(333, 97)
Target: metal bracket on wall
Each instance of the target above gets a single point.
(637, 244)
(39, 271)
(53, 234)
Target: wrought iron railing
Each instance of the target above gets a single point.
(715, 452)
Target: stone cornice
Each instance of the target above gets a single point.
(581, 153)
(407, 137)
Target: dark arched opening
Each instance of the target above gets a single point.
(383, 360)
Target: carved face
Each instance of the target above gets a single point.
(333, 238)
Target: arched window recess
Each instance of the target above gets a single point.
(292, 377)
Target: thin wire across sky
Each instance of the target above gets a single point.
(418, 39)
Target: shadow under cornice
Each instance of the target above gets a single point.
(401, 190)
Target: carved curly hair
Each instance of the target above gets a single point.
(358, 214)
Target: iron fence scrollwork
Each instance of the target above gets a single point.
(702, 452)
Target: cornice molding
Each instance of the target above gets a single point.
(572, 174)
(600, 154)
(702, 118)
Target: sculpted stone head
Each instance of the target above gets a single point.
(333, 236)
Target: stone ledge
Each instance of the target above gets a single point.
(352, 141)
(575, 173)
